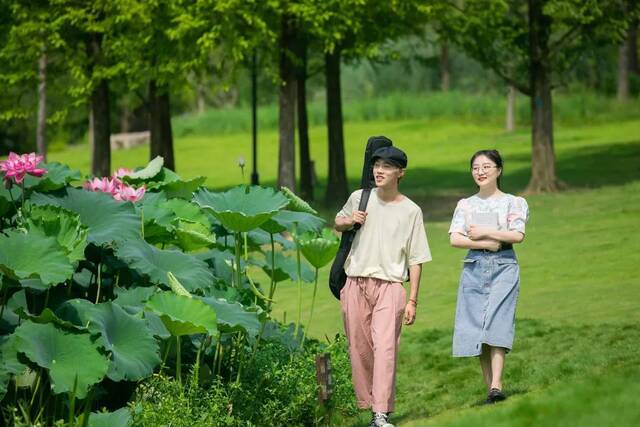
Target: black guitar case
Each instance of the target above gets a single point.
(337, 277)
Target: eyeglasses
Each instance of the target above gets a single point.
(483, 168)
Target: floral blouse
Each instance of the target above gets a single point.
(513, 212)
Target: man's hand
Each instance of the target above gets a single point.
(409, 313)
(477, 233)
(359, 217)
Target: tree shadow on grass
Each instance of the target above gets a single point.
(437, 190)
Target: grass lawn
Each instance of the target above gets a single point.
(576, 357)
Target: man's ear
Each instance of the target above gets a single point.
(401, 173)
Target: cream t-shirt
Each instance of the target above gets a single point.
(392, 238)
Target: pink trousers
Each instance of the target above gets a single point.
(372, 311)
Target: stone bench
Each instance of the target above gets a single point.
(129, 139)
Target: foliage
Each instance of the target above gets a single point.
(124, 287)
(278, 390)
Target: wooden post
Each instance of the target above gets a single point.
(323, 374)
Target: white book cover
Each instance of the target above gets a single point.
(485, 220)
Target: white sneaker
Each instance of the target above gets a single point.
(380, 419)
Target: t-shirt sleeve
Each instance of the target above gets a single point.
(458, 222)
(419, 251)
(352, 204)
(518, 215)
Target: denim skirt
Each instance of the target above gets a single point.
(486, 308)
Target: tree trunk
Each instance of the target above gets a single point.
(255, 178)
(160, 124)
(41, 133)
(337, 189)
(543, 161)
(306, 178)
(201, 102)
(510, 124)
(286, 110)
(634, 67)
(100, 122)
(445, 67)
(623, 69)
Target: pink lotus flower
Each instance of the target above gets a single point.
(17, 167)
(130, 194)
(121, 172)
(106, 185)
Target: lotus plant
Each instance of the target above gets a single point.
(319, 250)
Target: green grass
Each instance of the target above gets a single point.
(576, 355)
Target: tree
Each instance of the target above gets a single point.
(531, 45)
(352, 30)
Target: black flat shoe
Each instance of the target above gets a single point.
(495, 395)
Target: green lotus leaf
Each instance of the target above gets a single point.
(10, 318)
(6, 198)
(48, 316)
(183, 189)
(134, 351)
(24, 256)
(157, 218)
(57, 176)
(301, 222)
(108, 220)
(10, 364)
(133, 299)
(164, 177)
(286, 268)
(261, 237)
(192, 236)
(35, 284)
(296, 203)
(71, 357)
(152, 169)
(234, 316)
(184, 209)
(155, 325)
(64, 226)
(220, 261)
(156, 263)
(182, 315)
(242, 208)
(119, 418)
(319, 251)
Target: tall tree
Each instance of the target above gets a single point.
(41, 129)
(287, 104)
(306, 167)
(350, 30)
(530, 45)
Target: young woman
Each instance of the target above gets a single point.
(488, 223)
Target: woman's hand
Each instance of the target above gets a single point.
(409, 313)
(477, 233)
(493, 245)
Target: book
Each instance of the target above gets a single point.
(485, 220)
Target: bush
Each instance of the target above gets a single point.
(278, 389)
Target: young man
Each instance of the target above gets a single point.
(390, 245)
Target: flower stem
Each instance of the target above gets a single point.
(99, 282)
(272, 288)
(313, 302)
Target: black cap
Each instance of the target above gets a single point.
(392, 155)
